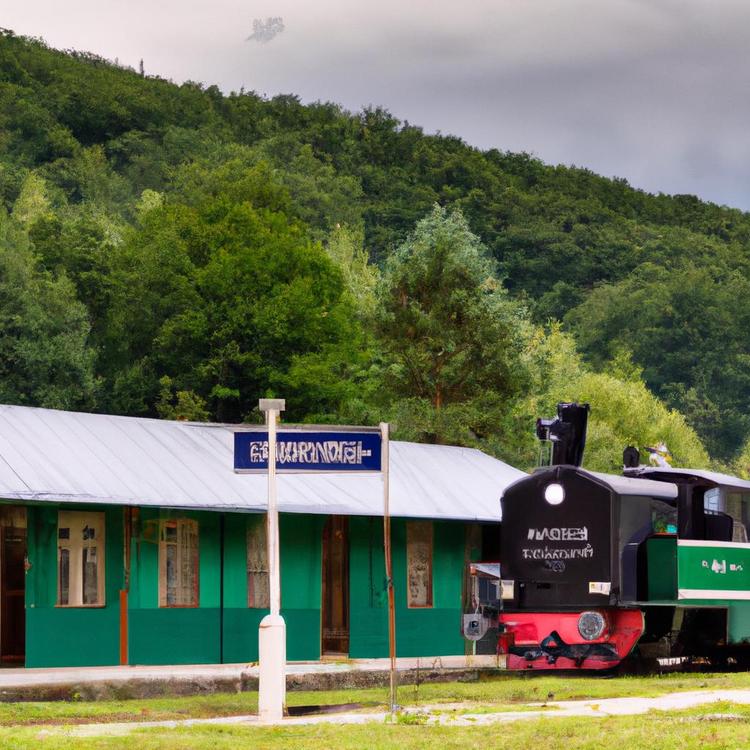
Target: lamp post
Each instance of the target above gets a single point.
(272, 630)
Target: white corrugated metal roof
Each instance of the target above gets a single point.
(59, 456)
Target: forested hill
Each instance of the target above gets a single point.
(170, 250)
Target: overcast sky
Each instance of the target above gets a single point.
(656, 91)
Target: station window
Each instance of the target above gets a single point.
(178, 562)
(419, 563)
(257, 563)
(80, 559)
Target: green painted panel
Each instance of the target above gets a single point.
(368, 599)
(301, 549)
(448, 566)
(235, 561)
(433, 631)
(240, 641)
(72, 637)
(66, 636)
(302, 634)
(705, 568)
(210, 560)
(144, 561)
(41, 578)
(175, 636)
(429, 632)
(661, 557)
(739, 622)
(241, 634)
(301, 583)
(301, 561)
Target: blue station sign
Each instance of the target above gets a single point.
(308, 451)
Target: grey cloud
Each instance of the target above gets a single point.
(655, 91)
(265, 31)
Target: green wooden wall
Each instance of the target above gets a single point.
(434, 631)
(174, 635)
(301, 561)
(70, 637)
(212, 633)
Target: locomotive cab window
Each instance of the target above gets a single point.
(663, 517)
(731, 505)
(644, 516)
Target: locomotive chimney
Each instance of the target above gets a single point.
(566, 433)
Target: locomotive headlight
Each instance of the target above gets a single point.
(554, 494)
(591, 625)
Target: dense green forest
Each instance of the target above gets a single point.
(169, 250)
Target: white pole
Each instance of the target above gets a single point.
(272, 630)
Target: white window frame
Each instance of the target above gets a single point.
(80, 524)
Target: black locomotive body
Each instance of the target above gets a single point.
(593, 564)
(569, 573)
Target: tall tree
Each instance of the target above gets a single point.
(688, 327)
(231, 300)
(623, 411)
(45, 359)
(451, 336)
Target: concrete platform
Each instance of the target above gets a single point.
(104, 683)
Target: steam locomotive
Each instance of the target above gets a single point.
(595, 564)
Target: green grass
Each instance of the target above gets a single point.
(487, 695)
(688, 730)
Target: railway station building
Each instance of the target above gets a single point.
(132, 541)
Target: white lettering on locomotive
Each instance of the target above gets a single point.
(572, 534)
(557, 553)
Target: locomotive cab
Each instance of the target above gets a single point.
(710, 561)
(574, 547)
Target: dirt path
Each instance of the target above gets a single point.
(447, 714)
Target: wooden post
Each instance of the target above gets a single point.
(385, 468)
(127, 537)
(274, 577)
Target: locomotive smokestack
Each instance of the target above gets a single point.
(567, 433)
